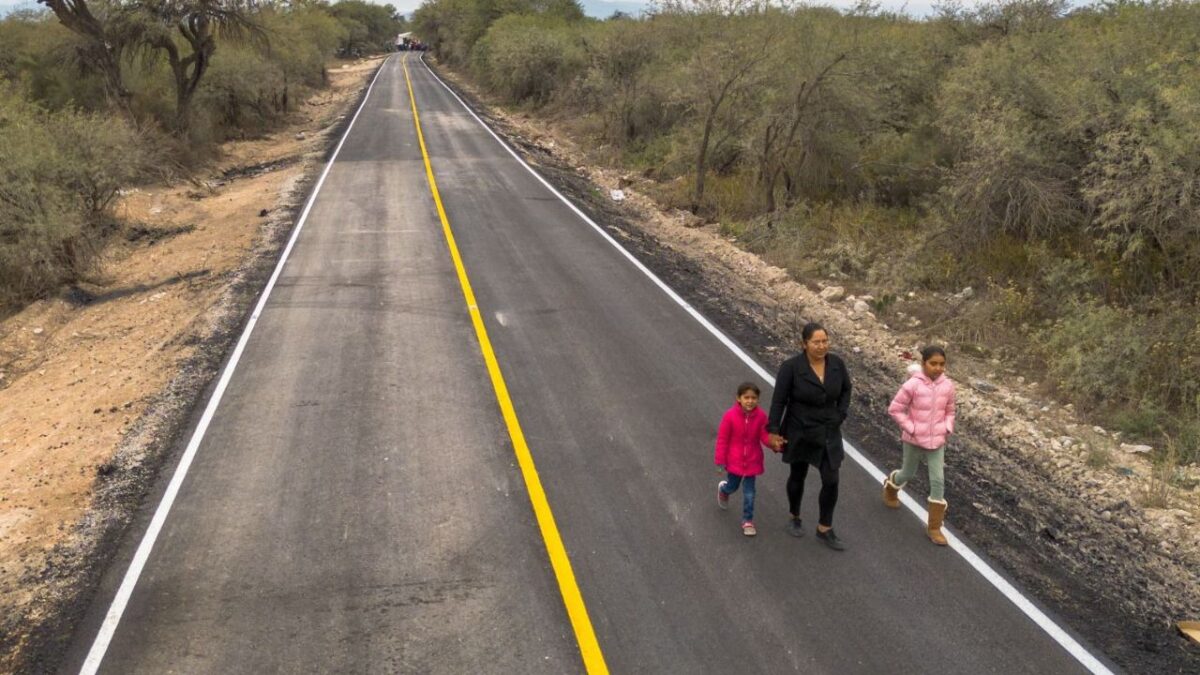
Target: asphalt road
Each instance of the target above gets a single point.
(356, 506)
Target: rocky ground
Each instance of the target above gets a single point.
(1066, 508)
(98, 384)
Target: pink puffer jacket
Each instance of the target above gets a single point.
(924, 410)
(739, 441)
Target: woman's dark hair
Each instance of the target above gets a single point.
(748, 386)
(811, 327)
(931, 351)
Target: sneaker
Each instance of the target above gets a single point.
(748, 529)
(831, 540)
(795, 527)
(722, 498)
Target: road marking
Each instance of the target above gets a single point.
(1056, 632)
(107, 629)
(589, 648)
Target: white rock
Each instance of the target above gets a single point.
(1100, 430)
(37, 331)
(776, 276)
(1136, 449)
(832, 293)
(617, 195)
(967, 293)
(983, 385)
(861, 307)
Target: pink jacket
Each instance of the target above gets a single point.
(740, 439)
(924, 410)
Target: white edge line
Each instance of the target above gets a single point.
(1056, 632)
(96, 654)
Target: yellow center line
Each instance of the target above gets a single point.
(593, 659)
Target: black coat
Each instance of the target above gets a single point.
(809, 414)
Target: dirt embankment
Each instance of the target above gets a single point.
(1060, 504)
(97, 383)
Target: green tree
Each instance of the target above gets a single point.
(370, 27)
(59, 172)
(186, 32)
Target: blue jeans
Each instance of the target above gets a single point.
(747, 484)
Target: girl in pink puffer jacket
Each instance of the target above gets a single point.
(740, 440)
(924, 411)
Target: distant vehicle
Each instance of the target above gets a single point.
(405, 42)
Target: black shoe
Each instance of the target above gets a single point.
(795, 527)
(831, 540)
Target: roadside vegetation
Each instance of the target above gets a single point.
(1046, 157)
(98, 95)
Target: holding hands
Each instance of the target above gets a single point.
(776, 442)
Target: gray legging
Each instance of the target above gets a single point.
(936, 459)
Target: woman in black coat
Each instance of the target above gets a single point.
(811, 400)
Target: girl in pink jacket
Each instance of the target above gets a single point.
(924, 411)
(740, 438)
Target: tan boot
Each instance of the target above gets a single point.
(891, 491)
(937, 514)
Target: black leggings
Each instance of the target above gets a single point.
(829, 490)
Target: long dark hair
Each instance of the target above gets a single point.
(931, 351)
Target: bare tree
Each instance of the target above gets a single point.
(102, 48)
(736, 38)
(158, 25)
(781, 129)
